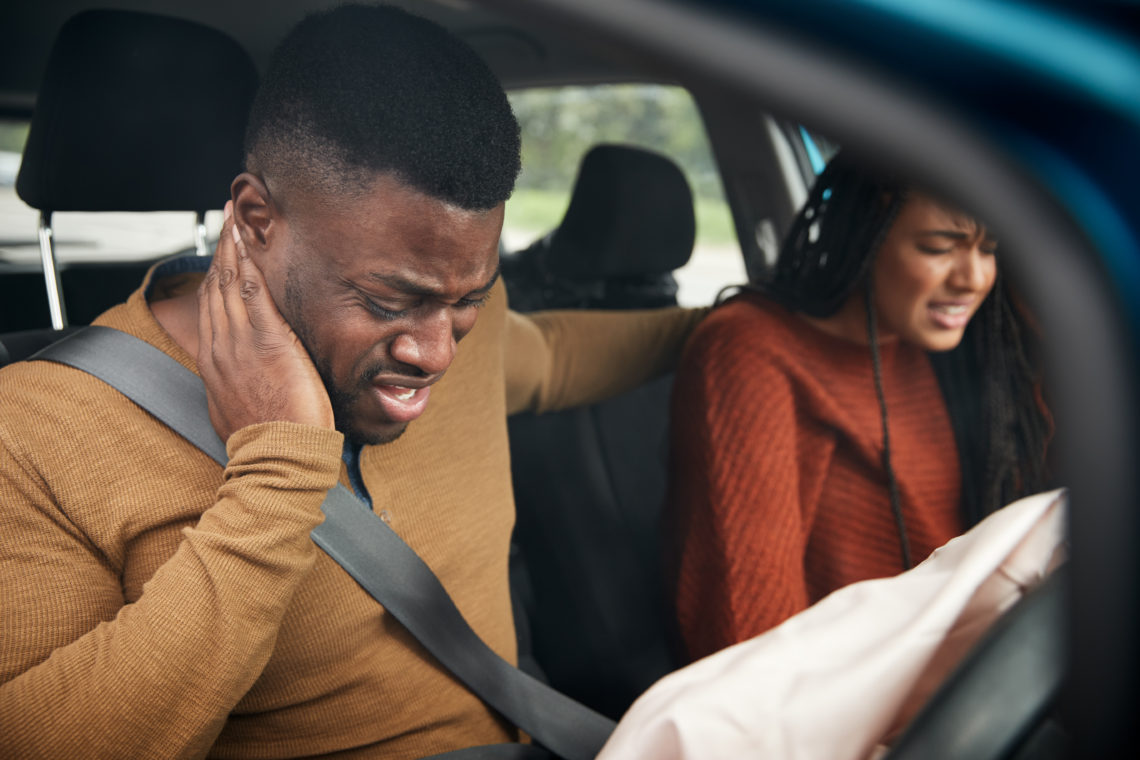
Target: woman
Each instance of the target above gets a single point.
(868, 402)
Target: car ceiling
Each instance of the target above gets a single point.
(520, 54)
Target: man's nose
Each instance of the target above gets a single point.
(429, 344)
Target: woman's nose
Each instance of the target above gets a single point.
(974, 269)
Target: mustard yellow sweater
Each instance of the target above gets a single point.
(154, 605)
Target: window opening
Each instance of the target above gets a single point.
(559, 125)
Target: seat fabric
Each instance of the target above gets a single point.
(590, 482)
(19, 345)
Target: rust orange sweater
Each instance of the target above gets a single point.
(154, 605)
(779, 495)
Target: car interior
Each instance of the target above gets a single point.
(591, 606)
(590, 482)
(107, 134)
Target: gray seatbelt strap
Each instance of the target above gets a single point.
(358, 540)
(145, 375)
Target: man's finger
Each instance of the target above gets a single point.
(213, 324)
(254, 293)
(211, 273)
(231, 286)
(225, 261)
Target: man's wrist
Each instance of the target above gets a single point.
(308, 456)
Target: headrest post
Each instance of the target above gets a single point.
(200, 234)
(51, 273)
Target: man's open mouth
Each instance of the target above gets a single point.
(401, 403)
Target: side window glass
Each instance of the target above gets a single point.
(17, 221)
(559, 125)
(818, 149)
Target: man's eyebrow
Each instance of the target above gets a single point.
(403, 285)
(490, 283)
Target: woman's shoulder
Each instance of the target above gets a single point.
(749, 320)
(755, 330)
(742, 340)
(747, 312)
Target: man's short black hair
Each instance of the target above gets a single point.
(361, 90)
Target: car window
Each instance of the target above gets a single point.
(17, 221)
(559, 125)
(108, 236)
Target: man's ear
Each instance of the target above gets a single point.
(255, 214)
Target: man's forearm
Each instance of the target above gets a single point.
(558, 359)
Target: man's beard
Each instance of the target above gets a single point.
(343, 401)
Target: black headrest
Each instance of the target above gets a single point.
(137, 112)
(631, 214)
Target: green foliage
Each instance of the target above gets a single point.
(559, 125)
(13, 135)
(539, 211)
(534, 210)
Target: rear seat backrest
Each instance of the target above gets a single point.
(590, 482)
(628, 226)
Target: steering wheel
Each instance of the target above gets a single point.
(997, 701)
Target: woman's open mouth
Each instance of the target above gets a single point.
(950, 316)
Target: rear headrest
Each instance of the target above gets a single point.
(631, 214)
(137, 112)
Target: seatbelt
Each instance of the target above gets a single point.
(358, 540)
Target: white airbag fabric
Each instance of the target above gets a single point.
(840, 678)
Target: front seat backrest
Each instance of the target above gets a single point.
(136, 112)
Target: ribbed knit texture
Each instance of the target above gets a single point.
(778, 494)
(154, 606)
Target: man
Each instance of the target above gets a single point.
(156, 605)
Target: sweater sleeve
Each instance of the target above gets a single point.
(560, 359)
(85, 675)
(738, 530)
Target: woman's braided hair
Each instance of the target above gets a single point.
(990, 381)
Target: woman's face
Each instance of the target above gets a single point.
(932, 272)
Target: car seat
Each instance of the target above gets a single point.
(629, 224)
(136, 112)
(590, 482)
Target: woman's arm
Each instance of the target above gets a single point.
(739, 524)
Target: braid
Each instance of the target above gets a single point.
(892, 481)
(829, 247)
(1015, 423)
(997, 411)
(991, 383)
(827, 253)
